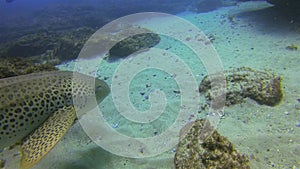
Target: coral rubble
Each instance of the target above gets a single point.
(242, 83)
(202, 147)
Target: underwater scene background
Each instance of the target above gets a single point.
(149, 84)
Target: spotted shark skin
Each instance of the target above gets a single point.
(31, 107)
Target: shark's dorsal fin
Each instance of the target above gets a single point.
(44, 138)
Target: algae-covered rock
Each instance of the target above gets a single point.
(202, 147)
(19, 66)
(133, 44)
(242, 83)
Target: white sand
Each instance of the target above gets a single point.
(268, 134)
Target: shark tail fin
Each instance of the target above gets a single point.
(44, 138)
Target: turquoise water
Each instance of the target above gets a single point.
(155, 92)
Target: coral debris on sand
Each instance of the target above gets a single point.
(203, 147)
(242, 83)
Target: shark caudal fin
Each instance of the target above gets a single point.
(44, 138)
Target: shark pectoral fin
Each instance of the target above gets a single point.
(44, 138)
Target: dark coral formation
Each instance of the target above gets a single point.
(48, 47)
(209, 5)
(71, 15)
(287, 10)
(57, 36)
(53, 18)
(41, 51)
(19, 66)
(203, 147)
(292, 4)
(242, 83)
(117, 41)
(133, 44)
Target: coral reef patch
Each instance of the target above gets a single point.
(10, 67)
(48, 47)
(203, 147)
(242, 83)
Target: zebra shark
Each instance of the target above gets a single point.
(37, 109)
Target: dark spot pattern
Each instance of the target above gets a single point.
(27, 101)
(46, 136)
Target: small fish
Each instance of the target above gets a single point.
(33, 107)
